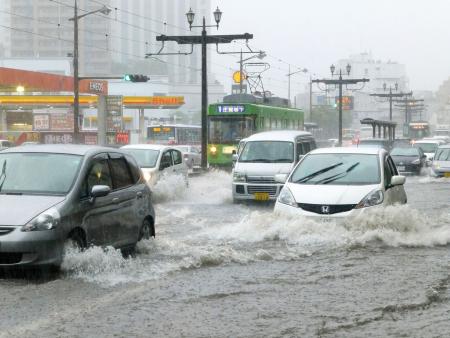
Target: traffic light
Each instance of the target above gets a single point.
(136, 78)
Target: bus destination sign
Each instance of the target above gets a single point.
(231, 108)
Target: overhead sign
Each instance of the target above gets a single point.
(94, 87)
(231, 108)
(347, 102)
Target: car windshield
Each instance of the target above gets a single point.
(38, 173)
(146, 158)
(268, 152)
(405, 152)
(427, 147)
(338, 169)
(442, 154)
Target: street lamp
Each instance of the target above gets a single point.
(217, 16)
(190, 17)
(76, 80)
(304, 70)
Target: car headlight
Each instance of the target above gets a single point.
(416, 161)
(286, 197)
(239, 177)
(48, 220)
(147, 176)
(374, 198)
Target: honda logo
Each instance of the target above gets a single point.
(325, 209)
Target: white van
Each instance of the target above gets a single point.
(262, 157)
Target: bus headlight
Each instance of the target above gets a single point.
(213, 150)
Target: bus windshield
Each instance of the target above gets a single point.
(230, 129)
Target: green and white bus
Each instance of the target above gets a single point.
(229, 123)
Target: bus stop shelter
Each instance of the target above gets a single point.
(385, 129)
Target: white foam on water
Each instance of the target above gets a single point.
(393, 226)
(169, 188)
(213, 187)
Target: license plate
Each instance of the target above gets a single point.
(261, 196)
(446, 174)
(401, 168)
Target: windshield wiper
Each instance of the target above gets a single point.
(3, 175)
(317, 173)
(337, 176)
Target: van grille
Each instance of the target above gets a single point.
(261, 179)
(332, 209)
(271, 190)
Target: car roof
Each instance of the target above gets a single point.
(148, 146)
(277, 135)
(444, 146)
(73, 149)
(348, 150)
(373, 140)
(430, 141)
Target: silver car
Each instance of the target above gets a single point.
(441, 161)
(191, 156)
(53, 195)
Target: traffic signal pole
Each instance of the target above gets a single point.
(340, 82)
(204, 39)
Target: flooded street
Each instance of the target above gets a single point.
(217, 269)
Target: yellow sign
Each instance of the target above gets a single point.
(237, 77)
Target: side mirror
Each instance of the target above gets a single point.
(99, 191)
(281, 178)
(398, 180)
(233, 152)
(234, 157)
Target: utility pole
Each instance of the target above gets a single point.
(310, 100)
(340, 82)
(204, 39)
(76, 80)
(409, 105)
(390, 96)
(289, 74)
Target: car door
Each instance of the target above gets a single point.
(96, 216)
(179, 168)
(166, 163)
(393, 194)
(122, 231)
(398, 192)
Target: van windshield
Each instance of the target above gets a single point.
(268, 152)
(38, 173)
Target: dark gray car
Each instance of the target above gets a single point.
(54, 194)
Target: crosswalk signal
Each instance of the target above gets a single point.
(136, 78)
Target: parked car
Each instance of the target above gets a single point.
(341, 182)
(5, 144)
(191, 156)
(429, 147)
(158, 160)
(52, 195)
(379, 143)
(409, 160)
(264, 155)
(441, 161)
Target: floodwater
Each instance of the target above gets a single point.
(222, 270)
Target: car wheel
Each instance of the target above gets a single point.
(146, 230)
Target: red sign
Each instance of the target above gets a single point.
(123, 137)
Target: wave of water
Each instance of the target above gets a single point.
(200, 227)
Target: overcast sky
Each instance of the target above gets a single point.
(316, 33)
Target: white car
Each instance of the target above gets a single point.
(341, 182)
(191, 155)
(157, 160)
(429, 147)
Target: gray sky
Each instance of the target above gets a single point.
(316, 33)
